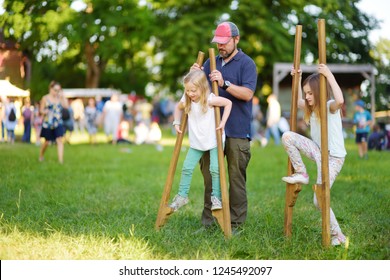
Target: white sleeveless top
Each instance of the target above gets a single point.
(201, 126)
(335, 132)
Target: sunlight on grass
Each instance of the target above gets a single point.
(102, 204)
(59, 246)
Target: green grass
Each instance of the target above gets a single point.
(103, 201)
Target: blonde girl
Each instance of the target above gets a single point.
(198, 102)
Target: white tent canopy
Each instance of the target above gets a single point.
(89, 92)
(8, 89)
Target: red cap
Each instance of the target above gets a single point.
(224, 32)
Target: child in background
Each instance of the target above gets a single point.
(362, 118)
(295, 144)
(91, 115)
(155, 135)
(11, 120)
(123, 132)
(141, 131)
(198, 102)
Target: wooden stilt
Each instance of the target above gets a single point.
(319, 192)
(325, 208)
(164, 210)
(223, 215)
(292, 190)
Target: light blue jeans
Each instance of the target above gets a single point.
(274, 130)
(190, 162)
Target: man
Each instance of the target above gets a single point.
(236, 76)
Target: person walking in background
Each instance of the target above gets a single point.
(274, 113)
(99, 107)
(363, 120)
(257, 131)
(91, 115)
(295, 143)
(68, 123)
(283, 124)
(99, 103)
(27, 113)
(198, 103)
(52, 127)
(236, 76)
(77, 106)
(112, 116)
(3, 102)
(37, 122)
(11, 120)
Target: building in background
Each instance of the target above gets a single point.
(15, 66)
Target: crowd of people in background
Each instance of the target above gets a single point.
(126, 119)
(132, 119)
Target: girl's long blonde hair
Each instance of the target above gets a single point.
(198, 79)
(314, 82)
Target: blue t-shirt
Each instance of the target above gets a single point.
(240, 71)
(360, 119)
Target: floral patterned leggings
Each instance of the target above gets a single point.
(294, 144)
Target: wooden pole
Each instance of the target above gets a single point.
(223, 215)
(292, 190)
(164, 210)
(325, 209)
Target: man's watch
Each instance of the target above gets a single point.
(226, 84)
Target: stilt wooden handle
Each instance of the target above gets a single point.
(293, 190)
(226, 224)
(324, 138)
(164, 210)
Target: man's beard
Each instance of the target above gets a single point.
(227, 55)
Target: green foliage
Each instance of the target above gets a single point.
(346, 28)
(102, 204)
(125, 45)
(381, 55)
(188, 27)
(117, 31)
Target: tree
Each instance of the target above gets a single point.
(267, 28)
(381, 55)
(111, 34)
(187, 29)
(128, 44)
(106, 34)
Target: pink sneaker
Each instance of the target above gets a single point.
(215, 203)
(297, 178)
(338, 239)
(178, 201)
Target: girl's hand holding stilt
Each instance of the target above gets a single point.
(293, 71)
(324, 70)
(177, 128)
(221, 126)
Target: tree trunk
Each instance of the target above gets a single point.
(93, 69)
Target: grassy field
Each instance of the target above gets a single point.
(101, 204)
